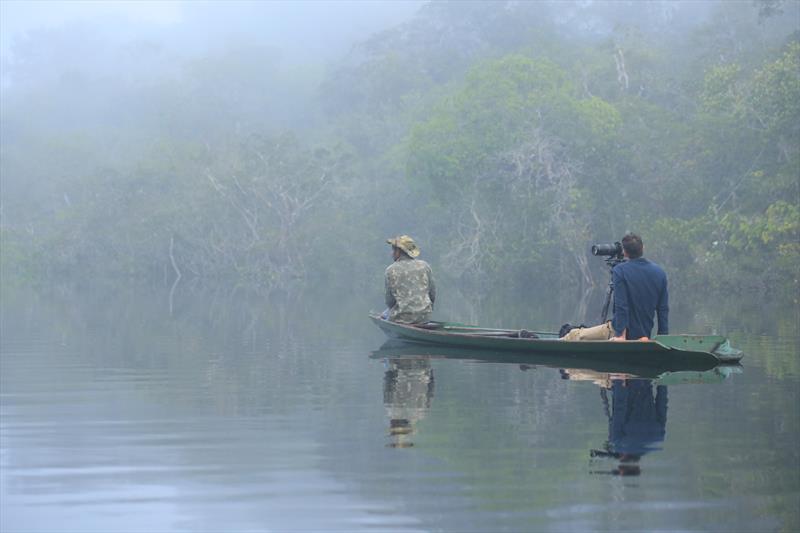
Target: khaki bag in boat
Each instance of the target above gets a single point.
(603, 332)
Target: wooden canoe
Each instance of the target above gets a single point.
(701, 349)
(572, 367)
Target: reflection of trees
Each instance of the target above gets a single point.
(268, 381)
(235, 344)
(191, 384)
(407, 395)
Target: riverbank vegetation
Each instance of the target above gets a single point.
(505, 137)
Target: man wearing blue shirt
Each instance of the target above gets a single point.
(640, 291)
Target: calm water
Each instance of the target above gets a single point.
(231, 412)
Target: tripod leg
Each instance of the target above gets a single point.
(607, 304)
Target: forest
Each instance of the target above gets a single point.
(505, 137)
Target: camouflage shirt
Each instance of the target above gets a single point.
(410, 291)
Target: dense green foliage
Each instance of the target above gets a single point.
(505, 138)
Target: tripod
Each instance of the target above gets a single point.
(611, 261)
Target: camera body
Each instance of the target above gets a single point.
(610, 250)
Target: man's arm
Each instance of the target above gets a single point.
(663, 311)
(620, 320)
(431, 287)
(388, 296)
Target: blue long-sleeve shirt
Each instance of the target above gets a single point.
(640, 291)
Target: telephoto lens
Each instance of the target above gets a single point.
(607, 249)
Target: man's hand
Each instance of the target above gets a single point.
(620, 338)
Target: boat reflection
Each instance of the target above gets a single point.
(637, 411)
(604, 380)
(634, 397)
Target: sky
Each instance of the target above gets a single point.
(304, 29)
(20, 16)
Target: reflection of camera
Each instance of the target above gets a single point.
(608, 249)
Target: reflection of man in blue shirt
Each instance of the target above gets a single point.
(638, 422)
(640, 291)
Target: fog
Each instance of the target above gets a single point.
(312, 30)
(195, 199)
(235, 142)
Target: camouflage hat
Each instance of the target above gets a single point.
(405, 243)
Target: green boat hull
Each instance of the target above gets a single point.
(618, 364)
(665, 371)
(704, 350)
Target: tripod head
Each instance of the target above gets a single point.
(613, 261)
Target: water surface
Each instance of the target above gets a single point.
(236, 412)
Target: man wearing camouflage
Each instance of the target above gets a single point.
(410, 292)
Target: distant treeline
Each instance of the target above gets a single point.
(506, 138)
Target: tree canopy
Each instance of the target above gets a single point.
(505, 136)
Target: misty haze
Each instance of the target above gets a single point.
(195, 202)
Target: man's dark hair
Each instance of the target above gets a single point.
(632, 244)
